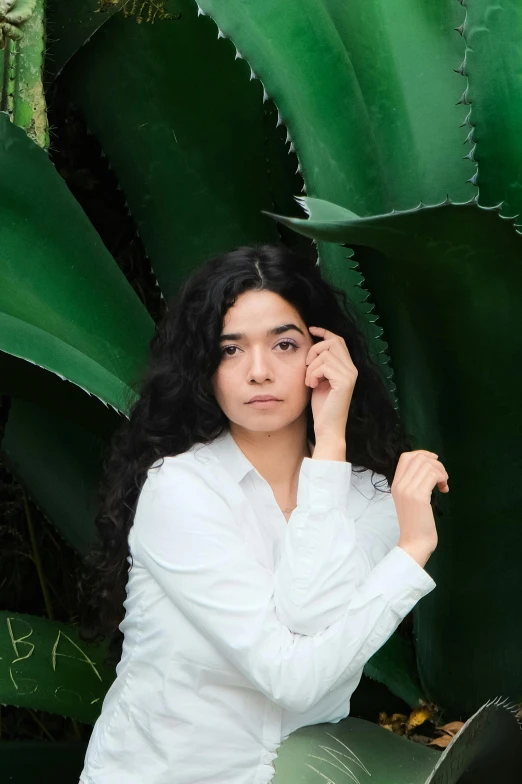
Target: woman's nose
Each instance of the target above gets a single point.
(259, 368)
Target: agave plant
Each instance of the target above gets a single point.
(216, 118)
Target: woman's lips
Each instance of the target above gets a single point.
(264, 403)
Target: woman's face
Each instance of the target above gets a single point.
(258, 360)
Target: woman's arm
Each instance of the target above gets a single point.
(324, 549)
(184, 534)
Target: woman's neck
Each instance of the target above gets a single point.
(276, 454)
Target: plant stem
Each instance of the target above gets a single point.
(42, 726)
(37, 559)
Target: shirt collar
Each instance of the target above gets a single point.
(228, 452)
(231, 456)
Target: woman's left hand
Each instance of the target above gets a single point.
(332, 376)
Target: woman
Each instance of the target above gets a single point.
(266, 567)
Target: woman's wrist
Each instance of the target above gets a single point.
(330, 448)
(419, 551)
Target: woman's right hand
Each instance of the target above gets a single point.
(416, 475)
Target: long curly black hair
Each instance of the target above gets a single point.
(175, 409)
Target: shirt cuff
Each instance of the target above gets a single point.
(400, 579)
(324, 483)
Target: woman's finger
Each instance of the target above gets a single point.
(335, 346)
(331, 369)
(408, 457)
(319, 362)
(419, 471)
(417, 467)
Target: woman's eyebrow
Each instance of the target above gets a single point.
(274, 331)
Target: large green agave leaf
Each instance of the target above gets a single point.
(368, 92)
(493, 64)
(54, 442)
(183, 128)
(45, 666)
(488, 746)
(394, 664)
(447, 283)
(64, 303)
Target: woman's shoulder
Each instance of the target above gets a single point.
(198, 458)
(197, 466)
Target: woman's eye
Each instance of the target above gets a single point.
(287, 343)
(226, 350)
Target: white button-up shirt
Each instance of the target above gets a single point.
(240, 627)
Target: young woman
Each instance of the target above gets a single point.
(244, 552)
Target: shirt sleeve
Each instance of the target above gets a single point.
(325, 551)
(185, 535)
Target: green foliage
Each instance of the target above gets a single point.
(447, 283)
(46, 666)
(488, 744)
(64, 304)
(492, 64)
(193, 113)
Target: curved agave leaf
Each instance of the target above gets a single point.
(394, 664)
(492, 63)
(352, 750)
(447, 283)
(54, 443)
(64, 303)
(366, 89)
(489, 744)
(45, 666)
(70, 25)
(184, 134)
